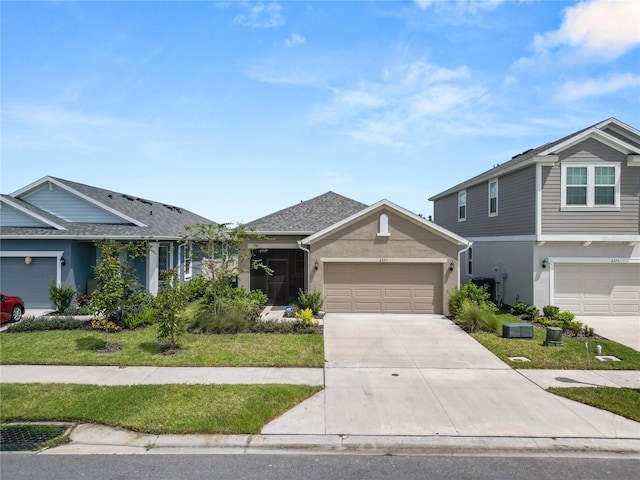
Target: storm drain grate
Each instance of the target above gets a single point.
(28, 437)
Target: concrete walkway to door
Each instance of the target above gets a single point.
(421, 375)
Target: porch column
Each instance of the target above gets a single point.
(152, 268)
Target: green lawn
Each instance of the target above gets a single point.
(572, 356)
(140, 347)
(621, 401)
(158, 409)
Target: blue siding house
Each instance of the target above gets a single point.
(48, 231)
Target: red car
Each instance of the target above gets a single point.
(12, 308)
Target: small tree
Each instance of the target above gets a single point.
(114, 280)
(224, 253)
(170, 302)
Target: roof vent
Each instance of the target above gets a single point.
(131, 199)
(173, 209)
(142, 200)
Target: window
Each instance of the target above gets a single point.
(591, 186)
(383, 226)
(470, 261)
(462, 205)
(493, 198)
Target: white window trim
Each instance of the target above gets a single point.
(492, 214)
(590, 206)
(462, 219)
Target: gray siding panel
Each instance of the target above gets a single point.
(624, 138)
(70, 207)
(623, 222)
(516, 208)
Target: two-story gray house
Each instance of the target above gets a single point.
(558, 224)
(48, 231)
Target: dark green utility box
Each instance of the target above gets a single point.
(517, 330)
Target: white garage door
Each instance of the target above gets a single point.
(383, 287)
(598, 289)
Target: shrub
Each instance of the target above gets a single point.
(288, 327)
(306, 316)
(138, 301)
(575, 327)
(104, 324)
(207, 320)
(61, 296)
(196, 288)
(471, 292)
(37, 324)
(476, 317)
(551, 311)
(310, 300)
(145, 317)
(526, 311)
(566, 317)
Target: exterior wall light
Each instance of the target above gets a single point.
(27, 260)
(316, 265)
(545, 262)
(63, 262)
(452, 266)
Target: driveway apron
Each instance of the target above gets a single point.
(389, 374)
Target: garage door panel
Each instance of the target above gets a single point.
(393, 288)
(598, 288)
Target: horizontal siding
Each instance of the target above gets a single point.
(10, 217)
(623, 222)
(516, 208)
(70, 207)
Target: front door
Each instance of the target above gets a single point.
(277, 282)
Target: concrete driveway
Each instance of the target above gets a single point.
(421, 375)
(624, 329)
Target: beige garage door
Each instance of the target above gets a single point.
(598, 289)
(383, 287)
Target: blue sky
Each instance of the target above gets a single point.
(237, 109)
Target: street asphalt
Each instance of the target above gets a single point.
(402, 384)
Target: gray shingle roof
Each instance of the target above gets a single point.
(162, 221)
(309, 216)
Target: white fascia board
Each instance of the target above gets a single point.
(43, 181)
(383, 260)
(505, 238)
(281, 233)
(128, 238)
(386, 203)
(32, 253)
(622, 127)
(31, 214)
(606, 260)
(633, 160)
(588, 238)
(596, 134)
(546, 160)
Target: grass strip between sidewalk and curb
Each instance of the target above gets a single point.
(141, 348)
(621, 401)
(157, 409)
(571, 356)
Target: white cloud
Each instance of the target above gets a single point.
(577, 90)
(294, 40)
(261, 15)
(596, 27)
(402, 103)
(471, 6)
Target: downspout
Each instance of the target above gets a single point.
(308, 285)
(459, 255)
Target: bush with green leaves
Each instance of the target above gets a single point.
(142, 319)
(196, 288)
(38, 324)
(526, 311)
(566, 316)
(208, 320)
(551, 312)
(61, 296)
(306, 316)
(476, 294)
(311, 300)
(286, 327)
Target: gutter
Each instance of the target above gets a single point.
(470, 244)
(299, 242)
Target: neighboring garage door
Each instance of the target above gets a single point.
(383, 287)
(30, 282)
(598, 289)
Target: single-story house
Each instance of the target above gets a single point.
(377, 258)
(48, 231)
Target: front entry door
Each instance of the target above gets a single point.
(277, 282)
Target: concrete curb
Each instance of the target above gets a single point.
(98, 439)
